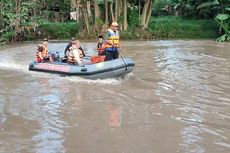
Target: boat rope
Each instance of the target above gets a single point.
(124, 63)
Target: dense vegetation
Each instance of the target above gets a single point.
(138, 19)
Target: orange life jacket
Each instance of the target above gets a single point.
(44, 51)
(97, 59)
(101, 49)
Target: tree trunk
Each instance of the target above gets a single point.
(77, 8)
(96, 16)
(146, 14)
(116, 9)
(111, 11)
(17, 11)
(33, 10)
(1, 22)
(73, 5)
(96, 9)
(85, 15)
(149, 12)
(86, 19)
(120, 3)
(88, 8)
(106, 13)
(125, 15)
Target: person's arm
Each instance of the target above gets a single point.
(77, 56)
(106, 37)
(98, 45)
(67, 48)
(83, 52)
(40, 49)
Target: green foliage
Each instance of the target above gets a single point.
(197, 9)
(133, 18)
(176, 27)
(13, 22)
(132, 34)
(224, 22)
(99, 22)
(59, 30)
(222, 17)
(208, 4)
(54, 5)
(6, 35)
(100, 2)
(161, 7)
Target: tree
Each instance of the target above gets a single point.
(125, 15)
(146, 14)
(1, 21)
(17, 11)
(106, 13)
(85, 13)
(116, 9)
(111, 10)
(97, 20)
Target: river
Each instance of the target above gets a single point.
(177, 99)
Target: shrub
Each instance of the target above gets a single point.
(60, 30)
(176, 27)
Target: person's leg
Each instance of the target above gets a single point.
(86, 61)
(109, 56)
(115, 55)
(103, 53)
(39, 60)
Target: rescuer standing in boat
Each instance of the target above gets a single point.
(112, 42)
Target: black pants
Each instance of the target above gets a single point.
(110, 55)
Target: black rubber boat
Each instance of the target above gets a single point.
(109, 69)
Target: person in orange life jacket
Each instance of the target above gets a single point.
(100, 46)
(101, 52)
(112, 42)
(74, 54)
(72, 40)
(42, 51)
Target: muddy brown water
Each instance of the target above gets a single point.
(177, 99)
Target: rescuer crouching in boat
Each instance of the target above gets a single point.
(74, 54)
(101, 51)
(42, 54)
(42, 51)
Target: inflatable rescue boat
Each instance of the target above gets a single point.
(108, 69)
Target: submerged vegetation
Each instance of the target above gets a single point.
(138, 19)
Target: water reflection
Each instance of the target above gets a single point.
(50, 136)
(115, 119)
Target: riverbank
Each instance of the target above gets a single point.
(169, 27)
